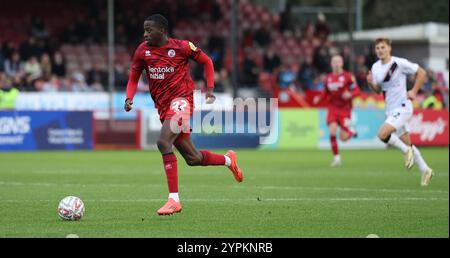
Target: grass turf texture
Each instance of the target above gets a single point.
(284, 194)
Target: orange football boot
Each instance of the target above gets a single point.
(235, 169)
(170, 207)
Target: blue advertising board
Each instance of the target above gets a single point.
(46, 130)
(228, 129)
(366, 123)
(140, 101)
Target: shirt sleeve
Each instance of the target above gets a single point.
(196, 54)
(138, 63)
(136, 70)
(351, 81)
(191, 51)
(407, 67)
(353, 85)
(324, 92)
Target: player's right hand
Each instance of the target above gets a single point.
(210, 98)
(412, 94)
(347, 95)
(128, 105)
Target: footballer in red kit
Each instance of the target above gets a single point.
(340, 89)
(166, 63)
(167, 70)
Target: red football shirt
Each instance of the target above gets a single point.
(167, 70)
(335, 86)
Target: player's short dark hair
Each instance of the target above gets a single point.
(160, 20)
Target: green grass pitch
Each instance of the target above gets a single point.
(284, 194)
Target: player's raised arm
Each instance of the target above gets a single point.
(409, 68)
(323, 94)
(201, 58)
(372, 84)
(354, 88)
(135, 73)
(421, 77)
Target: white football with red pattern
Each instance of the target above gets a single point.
(71, 208)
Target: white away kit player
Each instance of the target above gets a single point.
(389, 75)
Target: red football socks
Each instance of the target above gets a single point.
(171, 168)
(212, 159)
(334, 145)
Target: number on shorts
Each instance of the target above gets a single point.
(179, 105)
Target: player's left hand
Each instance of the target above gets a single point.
(210, 98)
(316, 100)
(412, 95)
(347, 95)
(128, 105)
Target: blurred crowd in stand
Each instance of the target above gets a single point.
(69, 52)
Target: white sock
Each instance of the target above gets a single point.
(227, 161)
(419, 160)
(337, 157)
(174, 196)
(396, 142)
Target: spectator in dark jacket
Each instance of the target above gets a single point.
(271, 61)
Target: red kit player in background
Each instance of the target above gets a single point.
(166, 63)
(340, 89)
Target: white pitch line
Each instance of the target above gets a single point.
(345, 189)
(249, 200)
(356, 199)
(262, 187)
(74, 185)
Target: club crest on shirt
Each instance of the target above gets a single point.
(147, 52)
(171, 53)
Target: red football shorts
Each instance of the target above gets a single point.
(342, 117)
(179, 112)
